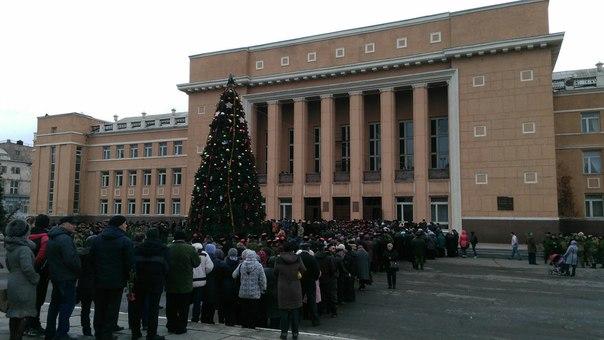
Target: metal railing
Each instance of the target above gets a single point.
(372, 176)
(261, 178)
(340, 176)
(438, 173)
(404, 176)
(313, 177)
(286, 177)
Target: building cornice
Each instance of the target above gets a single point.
(363, 30)
(444, 55)
(578, 92)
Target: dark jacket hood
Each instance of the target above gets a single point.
(57, 231)
(151, 248)
(288, 258)
(112, 233)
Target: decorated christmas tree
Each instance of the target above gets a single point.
(226, 195)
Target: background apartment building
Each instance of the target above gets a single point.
(15, 173)
(427, 118)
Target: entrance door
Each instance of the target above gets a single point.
(372, 208)
(341, 208)
(404, 209)
(312, 208)
(285, 206)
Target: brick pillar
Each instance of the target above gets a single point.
(421, 152)
(388, 157)
(357, 129)
(300, 151)
(272, 171)
(328, 121)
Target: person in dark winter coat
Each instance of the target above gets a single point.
(85, 289)
(419, 251)
(328, 282)
(64, 266)
(227, 290)
(39, 235)
(179, 285)
(308, 281)
(289, 269)
(22, 278)
(151, 263)
(270, 296)
(209, 298)
(473, 242)
(531, 245)
(391, 261)
(112, 254)
(362, 265)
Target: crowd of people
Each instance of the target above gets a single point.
(290, 270)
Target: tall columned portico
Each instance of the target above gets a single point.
(357, 147)
(300, 150)
(328, 117)
(388, 160)
(421, 135)
(272, 175)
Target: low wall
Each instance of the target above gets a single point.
(498, 231)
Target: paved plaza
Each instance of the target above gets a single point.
(451, 298)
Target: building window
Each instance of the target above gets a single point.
(505, 203)
(164, 122)
(104, 179)
(526, 75)
(51, 181)
(108, 127)
(285, 61)
(405, 143)
(401, 42)
(481, 178)
(478, 81)
(146, 178)
(285, 208)
(14, 187)
(266, 153)
(161, 207)
(594, 206)
(370, 48)
(131, 207)
(117, 206)
(76, 180)
(259, 64)
(146, 207)
(345, 133)
(53, 129)
(132, 178)
(311, 57)
(148, 150)
(528, 127)
(133, 150)
(2, 170)
(15, 170)
(119, 150)
(176, 206)
(163, 149)
(121, 126)
(290, 150)
(439, 143)
(592, 162)
(178, 147)
(590, 122)
(180, 120)
(439, 210)
(317, 149)
(374, 147)
(104, 207)
(435, 37)
(161, 177)
(176, 176)
(340, 52)
(530, 177)
(149, 123)
(119, 178)
(106, 152)
(136, 124)
(201, 109)
(404, 209)
(480, 131)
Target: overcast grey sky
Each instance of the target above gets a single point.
(125, 57)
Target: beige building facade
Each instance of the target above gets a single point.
(448, 118)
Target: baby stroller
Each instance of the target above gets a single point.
(558, 266)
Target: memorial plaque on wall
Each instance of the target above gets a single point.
(355, 206)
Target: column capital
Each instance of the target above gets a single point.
(326, 96)
(387, 89)
(355, 93)
(272, 102)
(299, 99)
(419, 85)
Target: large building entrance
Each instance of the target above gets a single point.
(372, 208)
(341, 208)
(312, 209)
